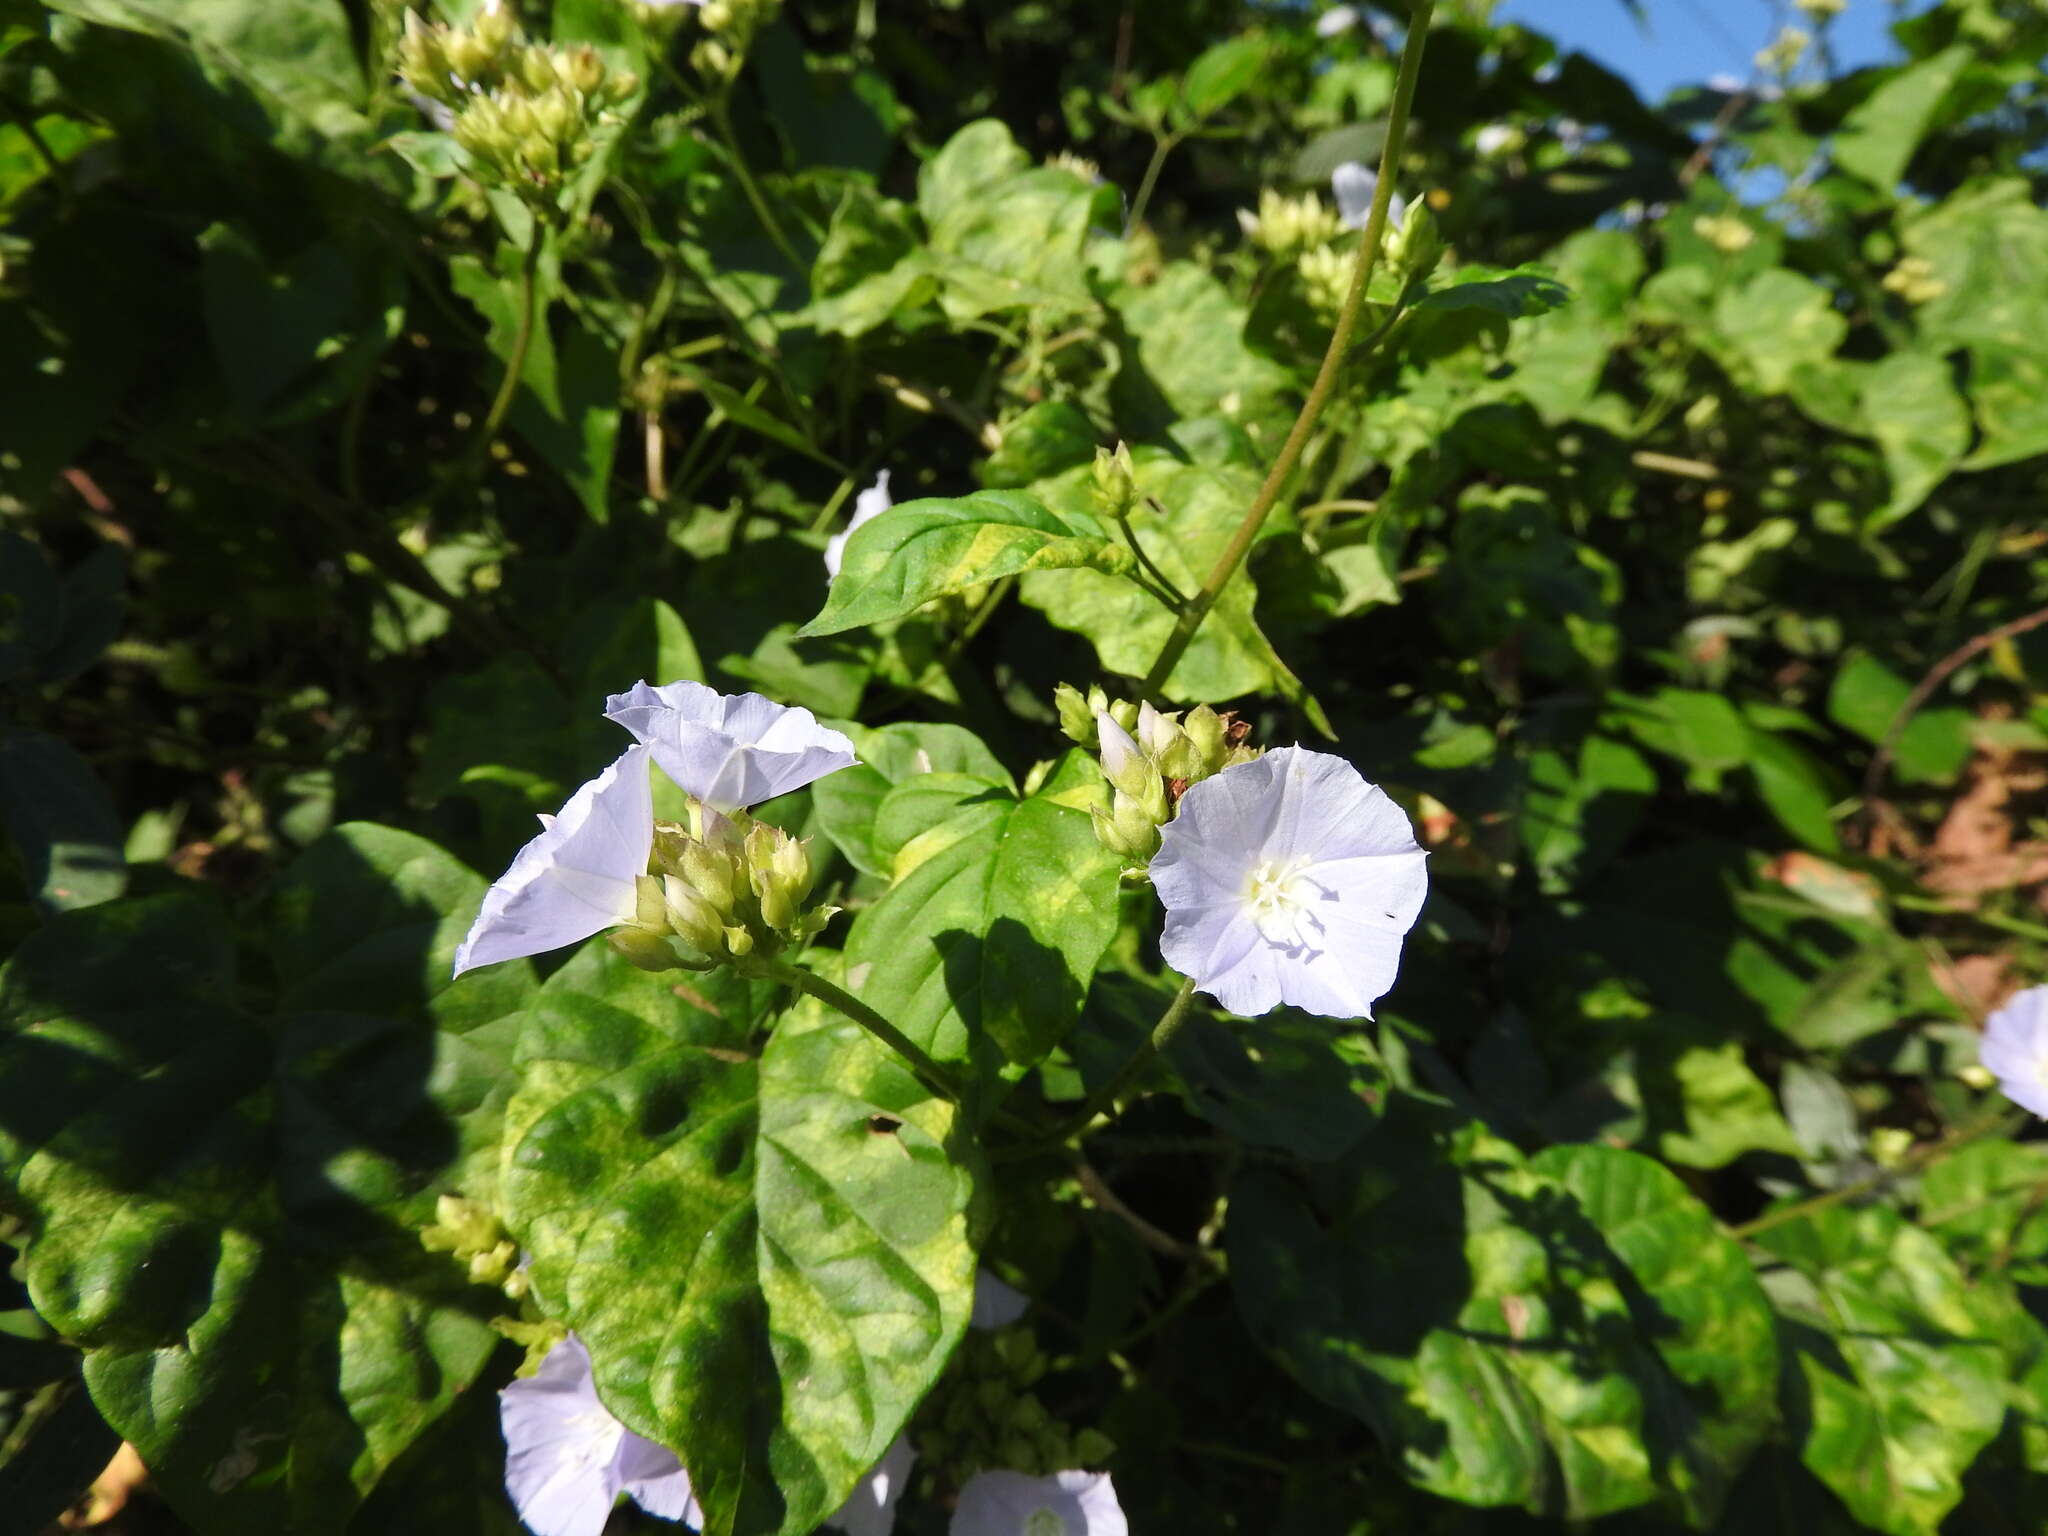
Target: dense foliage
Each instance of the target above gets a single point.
(357, 440)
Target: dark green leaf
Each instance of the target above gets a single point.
(769, 1259)
(61, 822)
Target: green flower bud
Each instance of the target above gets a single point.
(494, 26)
(644, 948)
(1127, 829)
(422, 62)
(1124, 762)
(695, 919)
(470, 59)
(738, 942)
(1122, 711)
(581, 69)
(1077, 717)
(1203, 728)
(779, 869)
(1116, 481)
(1415, 248)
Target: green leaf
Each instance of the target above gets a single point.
(1513, 295)
(1202, 507)
(1727, 1110)
(1985, 244)
(924, 549)
(1911, 407)
(1052, 436)
(983, 948)
(770, 1259)
(1575, 817)
(1702, 730)
(222, 1204)
(1306, 1086)
(1570, 1334)
(1222, 72)
(1187, 355)
(61, 822)
(1778, 322)
(568, 409)
(1988, 1204)
(296, 56)
(94, 600)
(849, 802)
(1878, 139)
(31, 606)
(741, 409)
(1794, 786)
(1002, 233)
(1900, 1372)
(1866, 696)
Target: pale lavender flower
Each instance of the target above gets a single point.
(730, 751)
(1064, 1504)
(567, 1459)
(2014, 1049)
(1338, 18)
(579, 877)
(1289, 879)
(1494, 138)
(1353, 185)
(870, 1510)
(997, 1304)
(867, 506)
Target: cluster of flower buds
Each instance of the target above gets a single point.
(1150, 770)
(724, 890)
(1727, 233)
(523, 112)
(1287, 224)
(1914, 281)
(984, 1413)
(473, 1234)
(1785, 52)
(732, 25)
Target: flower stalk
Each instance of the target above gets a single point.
(1198, 606)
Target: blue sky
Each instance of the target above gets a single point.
(1684, 41)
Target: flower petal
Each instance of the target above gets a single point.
(2014, 1049)
(655, 1480)
(561, 1446)
(997, 1304)
(1353, 186)
(730, 751)
(867, 506)
(870, 1510)
(1012, 1504)
(575, 879)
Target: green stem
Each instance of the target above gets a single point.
(1178, 602)
(1924, 1156)
(721, 118)
(1103, 1098)
(522, 341)
(929, 1072)
(1161, 148)
(1326, 376)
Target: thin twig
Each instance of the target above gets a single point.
(1097, 1189)
(522, 342)
(1873, 776)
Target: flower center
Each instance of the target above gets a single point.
(593, 1437)
(1044, 1522)
(1277, 897)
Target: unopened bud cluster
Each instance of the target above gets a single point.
(1284, 225)
(1914, 281)
(725, 890)
(732, 25)
(985, 1415)
(1114, 481)
(1727, 233)
(523, 112)
(1149, 757)
(472, 1233)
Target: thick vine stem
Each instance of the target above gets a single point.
(929, 1072)
(1326, 377)
(1169, 1025)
